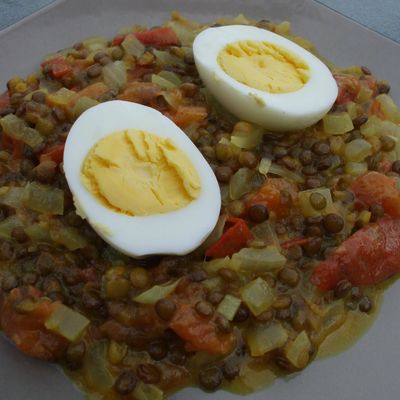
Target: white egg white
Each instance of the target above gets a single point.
(274, 111)
(177, 232)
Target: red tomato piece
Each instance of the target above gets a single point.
(187, 115)
(348, 86)
(4, 101)
(270, 196)
(118, 40)
(163, 36)
(58, 65)
(374, 187)
(26, 328)
(200, 333)
(295, 242)
(53, 153)
(235, 237)
(369, 256)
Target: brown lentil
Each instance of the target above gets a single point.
(75, 354)
(396, 167)
(377, 211)
(313, 246)
(165, 309)
(215, 297)
(333, 223)
(317, 201)
(342, 289)
(258, 213)
(177, 355)
(289, 276)
(204, 308)
(211, 378)
(282, 302)
(94, 71)
(126, 383)
(248, 159)
(242, 314)
(230, 369)
(387, 143)
(157, 350)
(222, 324)
(148, 373)
(237, 208)
(383, 87)
(227, 274)
(321, 148)
(223, 174)
(117, 53)
(365, 304)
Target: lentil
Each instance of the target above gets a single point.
(204, 308)
(126, 383)
(165, 309)
(148, 373)
(211, 378)
(258, 213)
(333, 223)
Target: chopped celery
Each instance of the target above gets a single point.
(68, 237)
(61, 98)
(240, 183)
(337, 123)
(297, 351)
(67, 323)
(356, 168)
(38, 233)
(11, 196)
(157, 292)
(283, 172)
(264, 166)
(145, 391)
(95, 368)
(7, 226)
(228, 306)
(116, 351)
(133, 46)
(43, 199)
(263, 338)
(357, 150)
(95, 43)
(171, 76)
(114, 75)
(162, 82)
(213, 266)
(213, 283)
(17, 129)
(165, 57)
(308, 210)
(377, 127)
(389, 108)
(83, 104)
(265, 259)
(266, 233)
(257, 295)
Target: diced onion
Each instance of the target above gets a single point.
(114, 75)
(257, 295)
(308, 210)
(162, 82)
(67, 323)
(263, 338)
(133, 46)
(279, 170)
(337, 123)
(16, 128)
(265, 259)
(264, 166)
(8, 225)
(356, 168)
(43, 199)
(229, 306)
(357, 150)
(297, 351)
(157, 292)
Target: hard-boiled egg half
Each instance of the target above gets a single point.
(264, 78)
(139, 180)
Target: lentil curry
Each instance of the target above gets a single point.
(308, 227)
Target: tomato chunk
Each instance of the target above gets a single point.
(235, 237)
(186, 115)
(4, 101)
(163, 36)
(270, 195)
(199, 332)
(54, 153)
(374, 187)
(58, 66)
(348, 86)
(369, 256)
(23, 314)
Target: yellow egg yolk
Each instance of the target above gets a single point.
(264, 66)
(140, 173)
